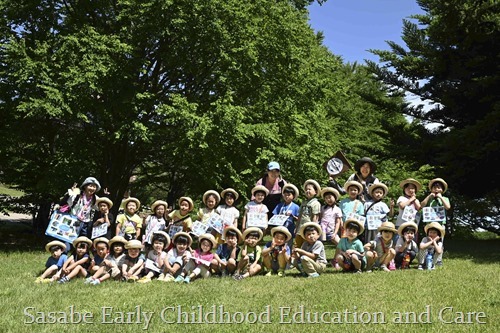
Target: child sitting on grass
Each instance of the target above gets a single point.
(200, 261)
(229, 251)
(406, 248)
(156, 257)
(54, 263)
(100, 251)
(250, 255)
(132, 263)
(432, 245)
(177, 257)
(109, 267)
(380, 252)
(310, 257)
(276, 253)
(350, 252)
(78, 262)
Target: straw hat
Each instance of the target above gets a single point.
(185, 234)
(407, 224)
(410, 181)
(236, 230)
(359, 163)
(91, 180)
(207, 193)
(82, 239)
(134, 244)
(101, 240)
(167, 243)
(283, 230)
(309, 224)
(55, 243)
(230, 190)
(117, 239)
(291, 187)
(260, 188)
(326, 190)
(137, 202)
(437, 226)
(440, 180)
(208, 237)
(353, 183)
(373, 187)
(387, 226)
(313, 183)
(251, 229)
(159, 203)
(361, 226)
(105, 200)
(189, 201)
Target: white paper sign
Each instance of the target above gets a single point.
(356, 217)
(151, 265)
(374, 221)
(409, 214)
(434, 214)
(100, 230)
(216, 222)
(201, 261)
(278, 219)
(258, 220)
(199, 228)
(173, 230)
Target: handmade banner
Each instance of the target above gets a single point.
(173, 229)
(216, 222)
(434, 214)
(409, 214)
(63, 226)
(258, 220)
(199, 228)
(337, 164)
(277, 220)
(100, 230)
(374, 221)
(356, 217)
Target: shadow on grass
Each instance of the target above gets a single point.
(479, 251)
(20, 237)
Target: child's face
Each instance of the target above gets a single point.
(103, 207)
(211, 202)
(378, 193)
(409, 235)
(410, 190)
(158, 246)
(160, 210)
(229, 200)
(432, 233)
(353, 191)
(131, 207)
(310, 191)
(101, 249)
(436, 188)
(329, 199)
(118, 248)
(181, 247)
(279, 238)
(387, 235)
(311, 236)
(231, 241)
(90, 189)
(134, 253)
(81, 249)
(205, 246)
(184, 207)
(259, 197)
(365, 170)
(287, 197)
(57, 253)
(351, 233)
(251, 241)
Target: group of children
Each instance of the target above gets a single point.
(297, 243)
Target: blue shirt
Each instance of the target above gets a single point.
(59, 261)
(293, 209)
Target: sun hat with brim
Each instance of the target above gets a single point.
(230, 190)
(132, 199)
(101, 240)
(211, 192)
(405, 225)
(361, 226)
(410, 181)
(313, 183)
(188, 200)
(91, 180)
(353, 183)
(310, 224)
(159, 203)
(373, 187)
(117, 239)
(359, 163)
(252, 229)
(437, 226)
(82, 239)
(261, 189)
(55, 243)
(208, 237)
(291, 187)
(438, 180)
(185, 234)
(283, 230)
(134, 244)
(273, 166)
(331, 190)
(236, 230)
(105, 200)
(164, 234)
(389, 226)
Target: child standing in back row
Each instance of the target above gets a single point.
(375, 206)
(181, 216)
(227, 211)
(129, 224)
(309, 209)
(256, 206)
(289, 208)
(155, 222)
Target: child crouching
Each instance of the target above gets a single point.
(310, 258)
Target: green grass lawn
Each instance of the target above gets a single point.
(368, 302)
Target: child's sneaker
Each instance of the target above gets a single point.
(161, 277)
(168, 278)
(384, 268)
(224, 273)
(64, 279)
(89, 280)
(270, 273)
(144, 279)
(392, 266)
(281, 273)
(132, 279)
(179, 278)
(187, 279)
(95, 282)
(420, 267)
(358, 271)
(313, 275)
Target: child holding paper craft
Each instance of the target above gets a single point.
(229, 213)
(330, 216)
(229, 251)
(276, 253)
(101, 224)
(350, 251)
(406, 247)
(129, 224)
(210, 199)
(100, 251)
(380, 252)
(109, 267)
(309, 209)
(132, 263)
(156, 257)
(181, 216)
(250, 255)
(78, 262)
(377, 209)
(438, 187)
(155, 222)
(431, 246)
(311, 257)
(256, 206)
(408, 203)
(288, 208)
(201, 260)
(54, 263)
(177, 257)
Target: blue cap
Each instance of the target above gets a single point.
(273, 166)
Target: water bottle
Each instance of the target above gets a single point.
(428, 260)
(406, 261)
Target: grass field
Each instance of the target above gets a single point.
(400, 301)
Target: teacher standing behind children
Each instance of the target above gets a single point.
(274, 183)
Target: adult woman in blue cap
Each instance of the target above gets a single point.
(274, 183)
